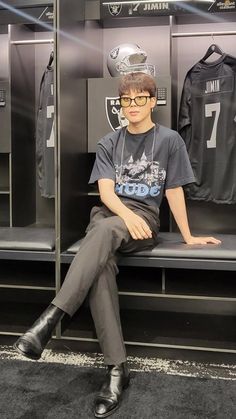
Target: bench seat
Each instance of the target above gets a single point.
(171, 251)
(27, 238)
(27, 243)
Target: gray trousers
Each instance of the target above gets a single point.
(93, 272)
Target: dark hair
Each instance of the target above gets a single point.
(137, 81)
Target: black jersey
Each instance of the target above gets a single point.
(45, 135)
(207, 123)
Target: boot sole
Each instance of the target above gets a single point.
(29, 356)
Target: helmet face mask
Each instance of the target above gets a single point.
(123, 69)
(127, 58)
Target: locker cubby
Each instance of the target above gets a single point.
(216, 284)
(4, 173)
(19, 274)
(19, 309)
(180, 329)
(4, 209)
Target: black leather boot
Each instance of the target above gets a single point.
(33, 342)
(108, 399)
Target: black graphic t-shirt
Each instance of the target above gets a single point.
(143, 165)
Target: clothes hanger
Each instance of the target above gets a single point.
(212, 48)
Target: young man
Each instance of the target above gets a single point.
(134, 167)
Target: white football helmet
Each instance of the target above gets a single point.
(128, 58)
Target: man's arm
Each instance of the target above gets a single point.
(137, 227)
(176, 200)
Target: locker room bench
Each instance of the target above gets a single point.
(27, 243)
(172, 252)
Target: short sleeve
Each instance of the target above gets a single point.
(184, 120)
(179, 170)
(103, 166)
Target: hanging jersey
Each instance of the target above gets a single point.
(207, 123)
(45, 136)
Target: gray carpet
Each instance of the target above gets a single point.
(31, 390)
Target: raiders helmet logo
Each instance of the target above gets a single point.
(114, 113)
(114, 53)
(115, 9)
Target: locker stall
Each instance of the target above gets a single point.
(191, 37)
(27, 216)
(30, 54)
(5, 143)
(26, 50)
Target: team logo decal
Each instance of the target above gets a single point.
(114, 113)
(114, 53)
(115, 9)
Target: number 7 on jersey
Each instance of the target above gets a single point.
(211, 108)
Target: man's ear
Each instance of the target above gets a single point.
(153, 102)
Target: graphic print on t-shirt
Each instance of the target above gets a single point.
(139, 178)
(142, 166)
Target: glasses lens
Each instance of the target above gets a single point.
(125, 102)
(140, 100)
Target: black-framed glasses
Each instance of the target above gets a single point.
(126, 101)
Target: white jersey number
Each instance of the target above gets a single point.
(209, 109)
(50, 111)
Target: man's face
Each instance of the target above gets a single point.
(137, 110)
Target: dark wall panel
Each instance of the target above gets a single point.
(77, 47)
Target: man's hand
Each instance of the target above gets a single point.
(137, 227)
(202, 240)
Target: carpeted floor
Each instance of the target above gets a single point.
(53, 389)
